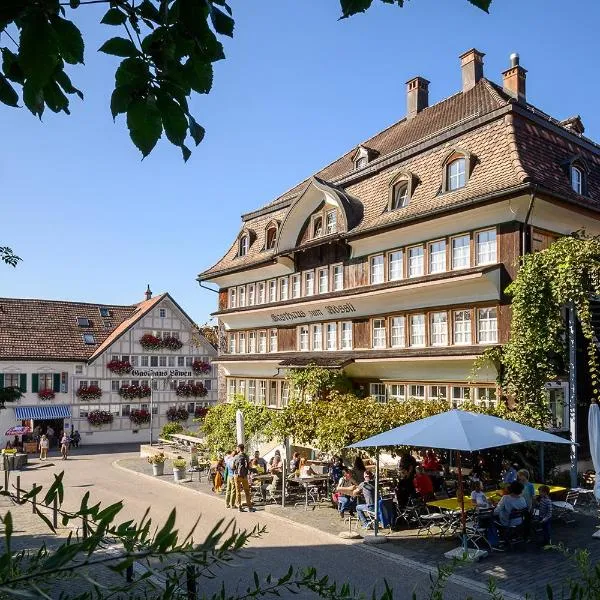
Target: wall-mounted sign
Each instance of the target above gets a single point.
(162, 373)
(325, 311)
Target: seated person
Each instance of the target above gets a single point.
(478, 498)
(305, 469)
(405, 489)
(544, 515)
(423, 485)
(367, 489)
(295, 464)
(336, 469)
(345, 488)
(431, 462)
(407, 462)
(276, 470)
(358, 471)
(509, 503)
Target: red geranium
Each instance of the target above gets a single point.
(200, 367)
(93, 392)
(96, 418)
(46, 394)
(120, 367)
(200, 412)
(177, 413)
(150, 342)
(139, 417)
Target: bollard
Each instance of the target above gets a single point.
(5, 474)
(55, 512)
(18, 488)
(190, 576)
(33, 500)
(129, 574)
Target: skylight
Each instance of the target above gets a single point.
(83, 322)
(104, 312)
(89, 338)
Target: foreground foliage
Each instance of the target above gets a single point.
(166, 48)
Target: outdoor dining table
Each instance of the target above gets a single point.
(452, 504)
(307, 482)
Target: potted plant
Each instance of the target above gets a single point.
(97, 418)
(200, 367)
(120, 367)
(171, 343)
(179, 464)
(158, 464)
(139, 416)
(150, 342)
(46, 394)
(91, 392)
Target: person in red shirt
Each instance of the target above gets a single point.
(423, 485)
(431, 462)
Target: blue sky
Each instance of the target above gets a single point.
(298, 88)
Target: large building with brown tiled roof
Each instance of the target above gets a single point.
(392, 261)
(73, 359)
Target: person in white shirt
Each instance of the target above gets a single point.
(478, 496)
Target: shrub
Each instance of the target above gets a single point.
(179, 463)
(169, 429)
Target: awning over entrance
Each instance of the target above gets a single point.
(43, 413)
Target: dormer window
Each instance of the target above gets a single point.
(317, 226)
(399, 195)
(361, 162)
(456, 174)
(331, 221)
(271, 238)
(244, 245)
(577, 179)
(363, 156)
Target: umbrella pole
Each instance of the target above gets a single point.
(461, 499)
(376, 507)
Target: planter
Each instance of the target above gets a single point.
(158, 469)
(179, 474)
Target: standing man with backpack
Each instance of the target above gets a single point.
(241, 466)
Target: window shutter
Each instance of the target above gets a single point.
(56, 382)
(1, 380)
(23, 382)
(35, 383)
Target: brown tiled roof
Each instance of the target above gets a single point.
(48, 330)
(513, 148)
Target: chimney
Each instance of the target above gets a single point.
(148, 293)
(471, 66)
(513, 79)
(417, 96)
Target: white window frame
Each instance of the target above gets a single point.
(285, 393)
(262, 292)
(330, 223)
(396, 392)
(323, 280)
(244, 245)
(331, 336)
(273, 340)
(486, 251)
(261, 392)
(486, 396)
(462, 331)
(296, 286)
(378, 391)
(252, 391)
(262, 341)
(459, 256)
(232, 298)
(456, 177)
(337, 277)
(252, 342)
(551, 389)
(438, 323)
(398, 331)
(242, 296)
(345, 339)
(284, 288)
(378, 333)
(303, 338)
(377, 269)
(460, 395)
(433, 392)
(416, 391)
(436, 253)
(309, 283)
(317, 337)
(272, 283)
(242, 342)
(251, 294)
(395, 266)
(231, 345)
(314, 233)
(418, 320)
(416, 261)
(487, 334)
(273, 393)
(576, 179)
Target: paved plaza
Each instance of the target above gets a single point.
(298, 537)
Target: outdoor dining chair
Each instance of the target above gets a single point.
(563, 510)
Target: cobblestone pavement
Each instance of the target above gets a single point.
(527, 569)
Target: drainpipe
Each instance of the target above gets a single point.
(527, 216)
(205, 287)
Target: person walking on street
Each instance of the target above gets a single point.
(229, 480)
(50, 435)
(241, 467)
(75, 439)
(64, 446)
(44, 445)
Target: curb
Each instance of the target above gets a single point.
(466, 582)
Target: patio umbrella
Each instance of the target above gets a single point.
(18, 430)
(594, 434)
(457, 430)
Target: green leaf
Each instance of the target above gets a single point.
(70, 41)
(222, 23)
(351, 7)
(55, 99)
(65, 83)
(132, 71)
(199, 75)
(118, 46)
(482, 4)
(186, 152)
(196, 131)
(74, 3)
(148, 11)
(10, 66)
(121, 99)
(33, 98)
(114, 17)
(145, 125)
(173, 119)
(38, 51)
(8, 95)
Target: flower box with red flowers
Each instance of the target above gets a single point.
(46, 394)
(200, 367)
(97, 418)
(177, 413)
(131, 392)
(139, 416)
(120, 367)
(198, 390)
(92, 392)
(183, 390)
(200, 412)
(150, 342)
(171, 343)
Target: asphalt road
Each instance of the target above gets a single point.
(284, 544)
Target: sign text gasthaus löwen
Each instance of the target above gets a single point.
(331, 309)
(162, 372)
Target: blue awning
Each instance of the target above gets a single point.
(54, 411)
